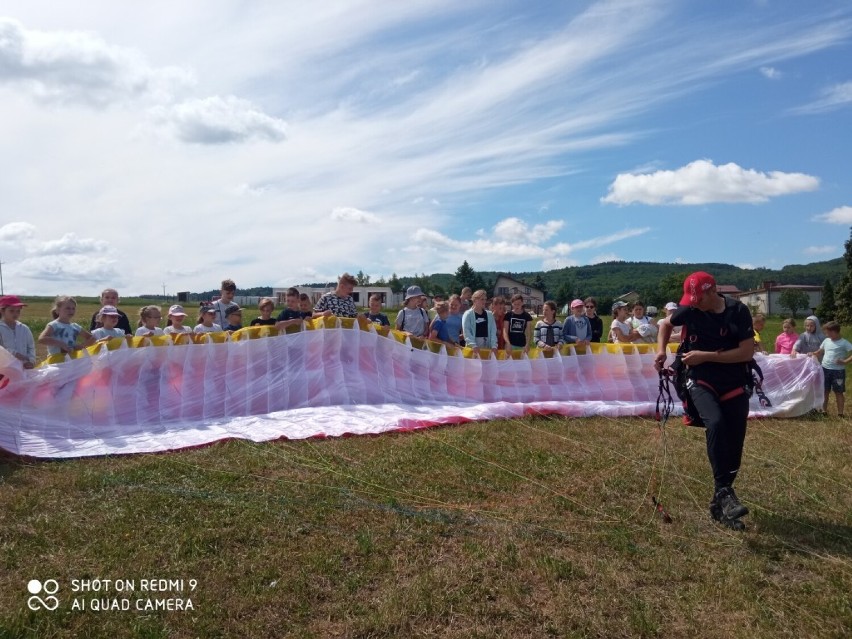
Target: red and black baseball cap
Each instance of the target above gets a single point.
(694, 287)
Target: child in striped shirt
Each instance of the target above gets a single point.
(547, 334)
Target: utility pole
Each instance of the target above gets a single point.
(164, 291)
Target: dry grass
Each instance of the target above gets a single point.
(525, 528)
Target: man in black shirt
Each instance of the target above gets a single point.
(718, 345)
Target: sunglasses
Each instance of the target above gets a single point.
(588, 306)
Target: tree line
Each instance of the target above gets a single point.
(655, 282)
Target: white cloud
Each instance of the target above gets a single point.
(771, 73)
(702, 182)
(402, 80)
(17, 232)
(218, 120)
(833, 97)
(747, 266)
(480, 248)
(78, 67)
(247, 190)
(513, 228)
(500, 101)
(349, 214)
(70, 258)
(70, 268)
(70, 244)
(71, 67)
(840, 215)
(819, 250)
(597, 242)
(512, 240)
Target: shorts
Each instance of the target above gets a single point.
(835, 380)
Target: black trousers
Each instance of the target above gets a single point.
(725, 424)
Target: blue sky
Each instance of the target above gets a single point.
(281, 142)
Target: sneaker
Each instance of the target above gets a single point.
(717, 515)
(726, 500)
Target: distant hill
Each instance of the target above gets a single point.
(654, 280)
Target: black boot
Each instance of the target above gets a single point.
(727, 501)
(718, 515)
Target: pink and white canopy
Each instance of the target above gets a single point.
(329, 382)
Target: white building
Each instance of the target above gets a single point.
(506, 286)
(767, 298)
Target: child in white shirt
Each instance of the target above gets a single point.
(176, 318)
(108, 318)
(835, 353)
(60, 335)
(205, 321)
(149, 321)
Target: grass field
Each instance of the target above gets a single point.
(540, 527)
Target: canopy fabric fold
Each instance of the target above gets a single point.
(339, 378)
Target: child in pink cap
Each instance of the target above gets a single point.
(577, 328)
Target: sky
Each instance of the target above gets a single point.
(169, 145)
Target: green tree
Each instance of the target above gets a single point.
(843, 305)
(425, 283)
(466, 276)
(563, 294)
(395, 285)
(794, 299)
(437, 289)
(826, 310)
(363, 280)
(670, 287)
(538, 283)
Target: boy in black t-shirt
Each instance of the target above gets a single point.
(375, 314)
(292, 315)
(265, 306)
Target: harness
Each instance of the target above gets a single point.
(678, 375)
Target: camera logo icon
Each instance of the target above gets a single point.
(50, 587)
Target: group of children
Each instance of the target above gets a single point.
(62, 335)
(467, 319)
(824, 343)
(472, 319)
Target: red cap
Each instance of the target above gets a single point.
(694, 287)
(11, 301)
